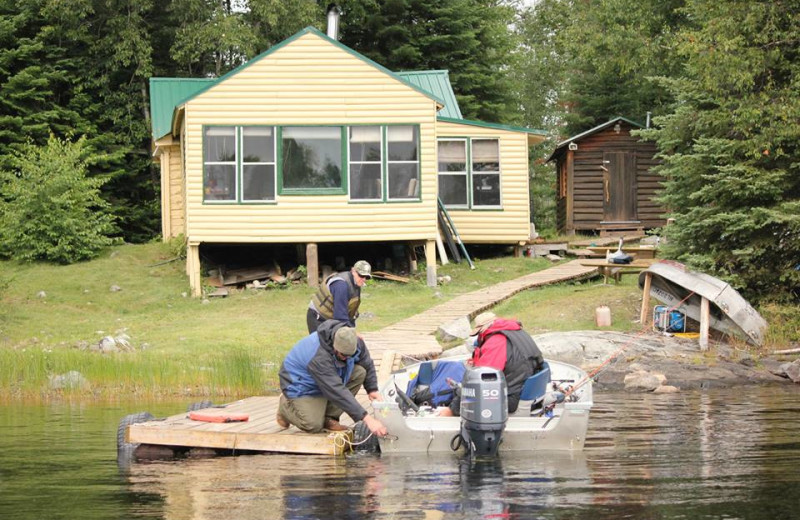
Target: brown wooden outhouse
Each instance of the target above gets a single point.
(606, 182)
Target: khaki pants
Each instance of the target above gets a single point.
(310, 413)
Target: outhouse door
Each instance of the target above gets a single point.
(619, 187)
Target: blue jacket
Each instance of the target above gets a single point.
(312, 369)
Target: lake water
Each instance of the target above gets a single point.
(722, 454)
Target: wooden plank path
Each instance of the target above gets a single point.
(414, 337)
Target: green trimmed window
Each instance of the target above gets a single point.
(469, 173)
(238, 164)
(384, 163)
(311, 158)
(366, 163)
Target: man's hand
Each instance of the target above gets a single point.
(374, 396)
(374, 425)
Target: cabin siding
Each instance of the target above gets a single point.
(586, 177)
(511, 224)
(172, 194)
(310, 81)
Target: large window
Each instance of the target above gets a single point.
(238, 164)
(469, 173)
(312, 157)
(252, 164)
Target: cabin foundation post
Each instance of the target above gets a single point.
(440, 247)
(643, 316)
(430, 262)
(312, 265)
(193, 268)
(411, 257)
(704, 324)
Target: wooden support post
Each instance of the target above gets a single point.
(704, 324)
(312, 265)
(193, 268)
(440, 247)
(387, 365)
(411, 256)
(517, 251)
(430, 261)
(644, 315)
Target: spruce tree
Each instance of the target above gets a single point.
(731, 146)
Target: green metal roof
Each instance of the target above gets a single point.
(497, 126)
(165, 93)
(437, 82)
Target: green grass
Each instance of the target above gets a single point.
(233, 347)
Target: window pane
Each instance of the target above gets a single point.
(312, 157)
(258, 144)
(485, 155)
(365, 143)
(220, 182)
(258, 182)
(485, 189)
(365, 181)
(402, 143)
(403, 181)
(220, 144)
(452, 156)
(453, 190)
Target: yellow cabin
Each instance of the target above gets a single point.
(311, 142)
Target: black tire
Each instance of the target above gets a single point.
(125, 449)
(360, 433)
(199, 406)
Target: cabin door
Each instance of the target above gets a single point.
(619, 187)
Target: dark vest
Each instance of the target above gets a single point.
(323, 299)
(523, 359)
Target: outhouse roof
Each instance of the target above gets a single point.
(591, 131)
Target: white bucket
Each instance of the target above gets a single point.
(602, 316)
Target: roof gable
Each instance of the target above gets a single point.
(170, 94)
(589, 132)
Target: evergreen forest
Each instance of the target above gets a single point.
(720, 79)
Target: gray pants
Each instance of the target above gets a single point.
(310, 413)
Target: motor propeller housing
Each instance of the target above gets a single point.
(484, 410)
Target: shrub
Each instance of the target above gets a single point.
(50, 209)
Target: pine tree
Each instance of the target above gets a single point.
(731, 146)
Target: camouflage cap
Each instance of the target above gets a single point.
(363, 269)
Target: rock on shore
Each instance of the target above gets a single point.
(651, 362)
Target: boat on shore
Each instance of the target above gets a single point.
(555, 417)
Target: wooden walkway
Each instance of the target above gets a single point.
(414, 336)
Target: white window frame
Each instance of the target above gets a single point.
(473, 173)
(242, 164)
(389, 163)
(464, 174)
(380, 162)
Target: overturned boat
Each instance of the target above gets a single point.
(553, 412)
(683, 290)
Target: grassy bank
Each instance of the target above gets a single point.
(52, 315)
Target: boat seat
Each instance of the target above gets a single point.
(534, 390)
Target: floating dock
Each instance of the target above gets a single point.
(413, 337)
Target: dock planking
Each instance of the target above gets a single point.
(412, 337)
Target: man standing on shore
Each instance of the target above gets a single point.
(339, 297)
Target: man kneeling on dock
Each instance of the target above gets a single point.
(321, 376)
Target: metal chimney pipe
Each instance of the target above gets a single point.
(333, 21)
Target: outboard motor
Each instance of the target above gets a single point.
(484, 410)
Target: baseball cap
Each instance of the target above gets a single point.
(363, 269)
(483, 320)
(344, 341)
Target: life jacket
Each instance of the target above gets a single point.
(434, 389)
(323, 299)
(523, 359)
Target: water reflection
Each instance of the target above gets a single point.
(717, 454)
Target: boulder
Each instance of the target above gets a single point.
(793, 371)
(70, 380)
(666, 389)
(456, 329)
(641, 380)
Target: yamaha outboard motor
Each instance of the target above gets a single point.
(484, 410)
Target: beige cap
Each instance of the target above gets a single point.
(363, 269)
(344, 341)
(482, 321)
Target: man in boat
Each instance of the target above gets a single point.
(321, 376)
(338, 297)
(503, 345)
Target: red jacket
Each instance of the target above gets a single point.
(492, 352)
